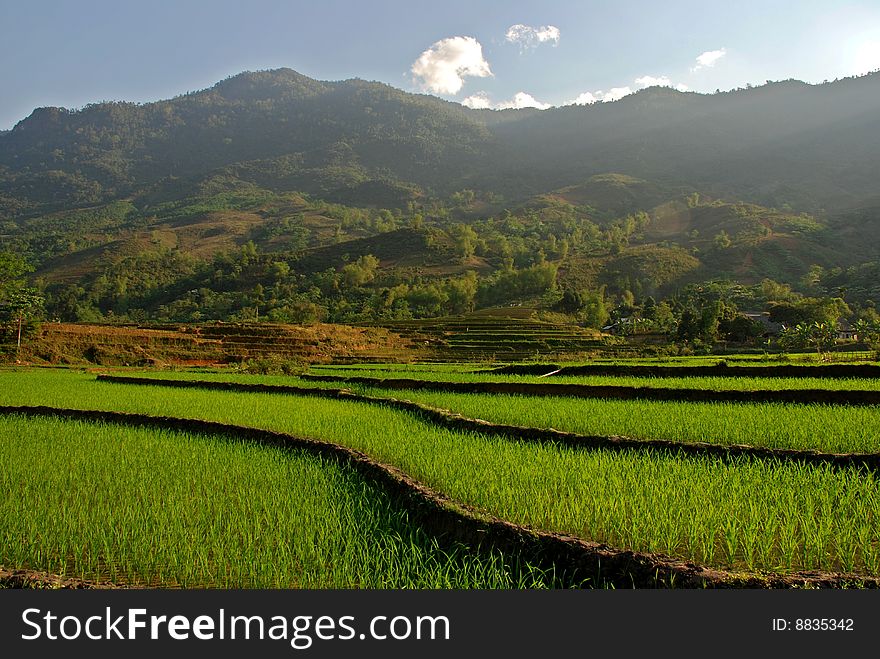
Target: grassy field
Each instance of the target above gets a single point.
(745, 514)
(773, 425)
(158, 507)
(760, 359)
(741, 359)
(713, 383)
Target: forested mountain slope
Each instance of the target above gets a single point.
(271, 193)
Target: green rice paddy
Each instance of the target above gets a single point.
(825, 428)
(158, 507)
(709, 383)
(745, 514)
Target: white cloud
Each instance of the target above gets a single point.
(615, 94)
(587, 98)
(529, 37)
(481, 101)
(523, 100)
(653, 81)
(478, 101)
(599, 96)
(661, 81)
(443, 67)
(709, 59)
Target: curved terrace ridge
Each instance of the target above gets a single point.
(581, 561)
(715, 370)
(454, 421)
(614, 392)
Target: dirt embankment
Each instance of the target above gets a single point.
(212, 343)
(577, 562)
(36, 580)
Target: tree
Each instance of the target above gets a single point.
(464, 238)
(809, 310)
(427, 300)
(13, 268)
(593, 311)
(562, 249)
(361, 271)
(702, 318)
(17, 301)
(462, 292)
(773, 291)
(571, 302)
(740, 328)
(279, 270)
(807, 335)
(868, 330)
(722, 240)
(688, 325)
(23, 304)
(664, 319)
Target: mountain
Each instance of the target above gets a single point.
(810, 147)
(352, 199)
(279, 129)
(787, 144)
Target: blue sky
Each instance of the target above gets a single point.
(66, 53)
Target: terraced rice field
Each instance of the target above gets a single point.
(513, 336)
(713, 383)
(154, 507)
(740, 515)
(772, 425)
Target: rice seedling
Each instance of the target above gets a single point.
(741, 383)
(450, 375)
(158, 507)
(826, 428)
(772, 425)
(792, 513)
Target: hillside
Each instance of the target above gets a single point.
(280, 129)
(785, 144)
(274, 196)
(810, 147)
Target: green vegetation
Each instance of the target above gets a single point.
(107, 502)
(771, 425)
(463, 373)
(20, 305)
(276, 203)
(301, 201)
(748, 513)
(711, 383)
(843, 429)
